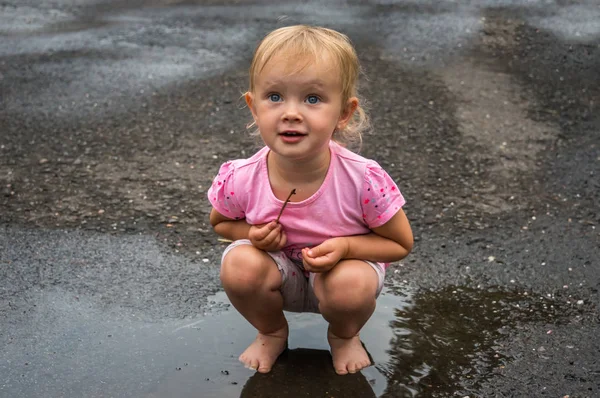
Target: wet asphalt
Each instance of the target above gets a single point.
(114, 117)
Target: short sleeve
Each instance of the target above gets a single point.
(222, 193)
(380, 197)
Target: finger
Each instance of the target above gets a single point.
(309, 263)
(272, 235)
(305, 259)
(261, 232)
(309, 252)
(274, 244)
(321, 250)
(319, 262)
(305, 256)
(282, 241)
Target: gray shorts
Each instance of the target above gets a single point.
(296, 288)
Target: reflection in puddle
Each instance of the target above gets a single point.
(451, 341)
(302, 372)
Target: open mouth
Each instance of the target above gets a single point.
(291, 134)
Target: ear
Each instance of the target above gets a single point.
(249, 97)
(347, 112)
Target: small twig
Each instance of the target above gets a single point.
(285, 204)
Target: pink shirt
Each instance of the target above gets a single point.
(356, 195)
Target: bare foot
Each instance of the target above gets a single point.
(264, 350)
(349, 355)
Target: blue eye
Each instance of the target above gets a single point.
(312, 99)
(274, 97)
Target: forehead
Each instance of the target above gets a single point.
(284, 67)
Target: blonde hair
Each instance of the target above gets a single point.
(302, 41)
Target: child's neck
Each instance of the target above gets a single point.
(305, 176)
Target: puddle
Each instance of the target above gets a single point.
(452, 341)
(423, 344)
(304, 370)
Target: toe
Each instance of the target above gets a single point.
(341, 370)
(264, 369)
(363, 364)
(253, 364)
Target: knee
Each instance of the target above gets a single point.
(245, 269)
(350, 288)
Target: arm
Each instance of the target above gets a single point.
(387, 243)
(229, 228)
(269, 236)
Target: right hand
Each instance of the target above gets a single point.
(268, 237)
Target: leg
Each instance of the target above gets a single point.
(252, 280)
(347, 296)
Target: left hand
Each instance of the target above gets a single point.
(325, 256)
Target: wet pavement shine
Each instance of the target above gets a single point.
(114, 117)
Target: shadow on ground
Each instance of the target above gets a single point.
(305, 372)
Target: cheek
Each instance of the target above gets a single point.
(264, 113)
(335, 117)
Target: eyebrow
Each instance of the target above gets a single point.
(316, 83)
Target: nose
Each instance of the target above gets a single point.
(291, 113)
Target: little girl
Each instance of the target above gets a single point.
(326, 250)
